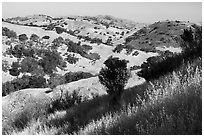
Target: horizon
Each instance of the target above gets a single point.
(151, 11)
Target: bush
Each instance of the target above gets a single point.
(50, 26)
(20, 50)
(65, 102)
(9, 33)
(58, 40)
(92, 56)
(71, 59)
(114, 77)
(15, 69)
(55, 80)
(87, 47)
(118, 48)
(34, 37)
(74, 76)
(60, 30)
(5, 65)
(23, 83)
(29, 65)
(50, 60)
(75, 48)
(37, 82)
(46, 37)
(23, 37)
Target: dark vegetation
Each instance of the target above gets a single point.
(92, 56)
(38, 81)
(87, 47)
(114, 77)
(34, 37)
(74, 76)
(9, 33)
(5, 66)
(46, 37)
(92, 40)
(23, 37)
(167, 62)
(32, 67)
(120, 47)
(60, 30)
(71, 59)
(23, 83)
(82, 50)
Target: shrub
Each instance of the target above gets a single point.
(29, 65)
(9, 33)
(65, 102)
(118, 48)
(46, 37)
(34, 37)
(50, 26)
(74, 76)
(50, 60)
(135, 53)
(75, 48)
(92, 56)
(23, 83)
(17, 51)
(87, 47)
(114, 77)
(58, 40)
(23, 37)
(55, 80)
(7, 88)
(71, 59)
(96, 40)
(15, 69)
(37, 82)
(60, 30)
(5, 65)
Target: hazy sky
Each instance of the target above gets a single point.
(140, 12)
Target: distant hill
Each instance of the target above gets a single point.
(159, 35)
(102, 27)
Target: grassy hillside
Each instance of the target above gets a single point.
(171, 104)
(66, 54)
(159, 34)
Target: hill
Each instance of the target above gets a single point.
(50, 68)
(159, 36)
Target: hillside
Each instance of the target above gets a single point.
(159, 36)
(51, 70)
(85, 64)
(102, 27)
(164, 110)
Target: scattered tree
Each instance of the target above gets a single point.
(9, 33)
(34, 37)
(23, 37)
(114, 76)
(46, 37)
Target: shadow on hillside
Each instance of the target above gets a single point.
(86, 112)
(181, 115)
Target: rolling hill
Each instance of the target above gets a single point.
(50, 59)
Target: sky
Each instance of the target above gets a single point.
(145, 12)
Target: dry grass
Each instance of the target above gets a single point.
(174, 106)
(170, 105)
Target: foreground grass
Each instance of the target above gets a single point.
(170, 105)
(174, 106)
